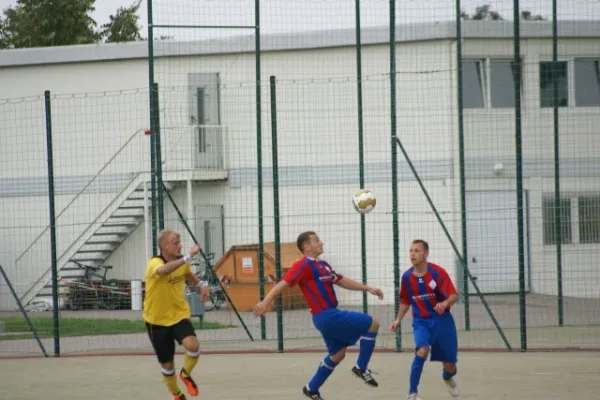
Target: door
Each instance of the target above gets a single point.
(209, 232)
(492, 240)
(204, 120)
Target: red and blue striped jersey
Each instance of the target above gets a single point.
(424, 292)
(316, 279)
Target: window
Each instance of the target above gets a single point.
(548, 72)
(579, 218)
(502, 84)
(548, 215)
(488, 83)
(473, 83)
(587, 83)
(589, 219)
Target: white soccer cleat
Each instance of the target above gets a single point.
(452, 387)
(413, 396)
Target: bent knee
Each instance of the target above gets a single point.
(191, 344)
(423, 352)
(339, 356)
(374, 325)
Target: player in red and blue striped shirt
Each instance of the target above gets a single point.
(339, 328)
(429, 290)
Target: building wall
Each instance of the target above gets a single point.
(317, 147)
(490, 139)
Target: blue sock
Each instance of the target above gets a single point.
(367, 345)
(448, 375)
(325, 369)
(415, 373)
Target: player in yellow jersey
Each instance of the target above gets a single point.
(167, 313)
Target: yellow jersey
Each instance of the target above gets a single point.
(164, 301)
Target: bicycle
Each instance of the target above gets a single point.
(217, 296)
(105, 293)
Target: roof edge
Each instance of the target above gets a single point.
(445, 30)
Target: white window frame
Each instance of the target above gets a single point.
(486, 84)
(570, 81)
(572, 62)
(574, 221)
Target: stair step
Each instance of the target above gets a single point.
(94, 251)
(83, 260)
(111, 233)
(103, 242)
(119, 224)
(132, 208)
(71, 269)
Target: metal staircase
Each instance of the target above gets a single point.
(93, 224)
(115, 224)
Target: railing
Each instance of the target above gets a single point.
(189, 147)
(75, 217)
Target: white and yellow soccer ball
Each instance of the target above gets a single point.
(364, 201)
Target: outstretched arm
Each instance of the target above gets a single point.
(262, 307)
(350, 284)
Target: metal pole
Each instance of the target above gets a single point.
(461, 164)
(276, 210)
(361, 163)
(158, 159)
(207, 261)
(519, 168)
(557, 208)
(396, 235)
(261, 245)
(23, 312)
(53, 260)
(153, 182)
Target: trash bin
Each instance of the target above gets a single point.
(196, 306)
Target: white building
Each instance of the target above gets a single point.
(100, 110)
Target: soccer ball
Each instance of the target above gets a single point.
(364, 201)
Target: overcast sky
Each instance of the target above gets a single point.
(295, 15)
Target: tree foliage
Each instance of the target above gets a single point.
(46, 23)
(124, 25)
(485, 13)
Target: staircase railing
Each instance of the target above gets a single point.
(75, 217)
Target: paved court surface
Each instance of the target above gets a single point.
(489, 376)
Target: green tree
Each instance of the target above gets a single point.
(482, 13)
(44, 23)
(526, 15)
(123, 26)
(485, 13)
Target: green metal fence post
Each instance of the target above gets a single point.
(519, 169)
(276, 210)
(461, 165)
(153, 183)
(396, 235)
(557, 208)
(51, 199)
(259, 177)
(155, 115)
(361, 162)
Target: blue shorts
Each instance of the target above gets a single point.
(341, 328)
(439, 332)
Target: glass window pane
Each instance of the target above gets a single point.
(472, 84)
(548, 216)
(502, 84)
(587, 83)
(589, 219)
(547, 73)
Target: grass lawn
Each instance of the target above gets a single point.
(17, 328)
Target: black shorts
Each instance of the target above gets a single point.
(163, 338)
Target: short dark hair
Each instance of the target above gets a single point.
(424, 243)
(303, 238)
